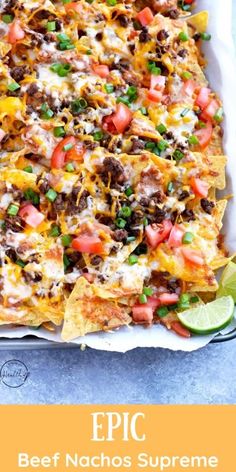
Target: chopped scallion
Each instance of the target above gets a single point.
(59, 132)
(133, 259)
(13, 209)
(51, 195)
(162, 311)
(161, 128)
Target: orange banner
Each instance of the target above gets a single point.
(109, 438)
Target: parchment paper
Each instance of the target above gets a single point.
(221, 73)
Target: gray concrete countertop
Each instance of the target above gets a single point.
(71, 376)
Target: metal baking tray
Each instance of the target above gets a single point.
(31, 342)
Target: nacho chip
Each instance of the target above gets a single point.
(86, 312)
(199, 21)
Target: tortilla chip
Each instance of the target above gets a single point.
(112, 263)
(219, 212)
(142, 126)
(86, 312)
(216, 171)
(199, 21)
(174, 264)
(213, 169)
(21, 179)
(213, 287)
(215, 146)
(32, 316)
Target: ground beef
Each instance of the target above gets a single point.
(59, 203)
(44, 185)
(90, 144)
(9, 7)
(157, 197)
(49, 37)
(11, 253)
(162, 35)
(96, 260)
(207, 206)
(58, 24)
(18, 73)
(188, 215)
(174, 216)
(31, 276)
(17, 193)
(33, 157)
(137, 145)
(14, 223)
(106, 220)
(184, 194)
(72, 207)
(123, 20)
(43, 14)
(159, 215)
(183, 53)
(83, 201)
(144, 36)
(173, 284)
(173, 14)
(121, 65)
(120, 235)
(99, 36)
(144, 201)
(136, 218)
(112, 169)
(196, 36)
(32, 89)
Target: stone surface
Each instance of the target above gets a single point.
(140, 376)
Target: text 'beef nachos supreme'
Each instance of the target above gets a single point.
(110, 159)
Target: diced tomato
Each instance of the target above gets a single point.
(2, 134)
(200, 187)
(204, 135)
(155, 96)
(158, 82)
(15, 32)
(118, 121)
(31, 215)
(153, 302)
(122, 117)
(59, 153)
(142, 313)
(176, 236)
(189, 87)
(72, 6)
(88, 243)
(133, 34)
(203, 99)
(179, 329)
(108, 125)
(168, 298)
(210, 111)
(145, 16)
(89, 277)
(157, 233)
(102, 70)
(193, 256)
(76, 153)
(188, 2)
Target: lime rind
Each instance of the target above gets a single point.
(209, 318)
(227, 285)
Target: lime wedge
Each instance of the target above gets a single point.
(227, 285)
(206, 319)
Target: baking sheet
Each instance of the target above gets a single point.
(221, 72)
